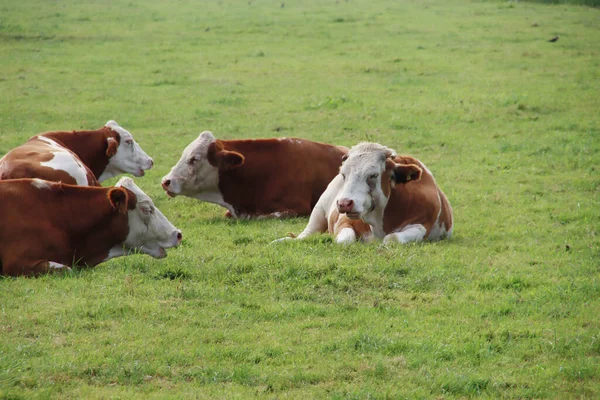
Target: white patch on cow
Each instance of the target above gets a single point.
(129, 158)
(65, 160)
(150, 232)
(346, 236)
(217, 198)
(410, 233)
(56, 266)
(41, 184)
(438, 230)
(116, 251)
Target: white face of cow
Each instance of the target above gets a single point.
(362, 191)
(150, 232)
(369, 174)
(193, 174)
(129, 156)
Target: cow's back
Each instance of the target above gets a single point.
(286, 175)
(36, 158)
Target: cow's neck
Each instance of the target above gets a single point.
(100, 229)
(214, 196)
(90, 146)
(375, 221)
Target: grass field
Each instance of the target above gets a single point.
(508, 123)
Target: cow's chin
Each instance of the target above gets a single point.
(353, 215)
(155, 252)
(170, 194)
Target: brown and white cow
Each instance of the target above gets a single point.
(47, 226)
(261, 177)
(378, 193)
(82, 158)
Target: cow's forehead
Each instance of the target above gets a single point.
(366, 158)
(123, 133)
(128, 183)
(200, 143)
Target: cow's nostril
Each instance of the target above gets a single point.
(166, 182)
(179, 236)
(151, 163)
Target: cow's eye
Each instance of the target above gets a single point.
(343, 176)
(191, 161)
(129, 142)
(148, 210)
(374, 176)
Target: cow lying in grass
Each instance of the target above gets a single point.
(379, 193)
(47, 226)
(250, 178)
(82, 158)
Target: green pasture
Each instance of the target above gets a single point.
(508, 122)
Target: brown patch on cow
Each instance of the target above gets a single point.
(278, 175)
(131, 199)
(387, 178)
(338, 221)
(416, 201)
(67, 225)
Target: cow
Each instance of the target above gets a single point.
(281, 177)
(48, 226)
(83, 158)
(378, 194)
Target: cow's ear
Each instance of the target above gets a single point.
(118, 199)
(403, 173)
(230, 159)
(112, 147)
(219, 157)
(212, 152)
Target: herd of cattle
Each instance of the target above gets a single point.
(54, 214)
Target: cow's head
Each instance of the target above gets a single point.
(369, 174)
(150, 232)
(124, 154)
(198, 168)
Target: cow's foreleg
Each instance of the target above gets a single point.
(317, 223)
(410, 233)
(345, 236)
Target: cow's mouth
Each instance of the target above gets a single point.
(353, 215)
(141, 172)
(170, 194)
(157, 252)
